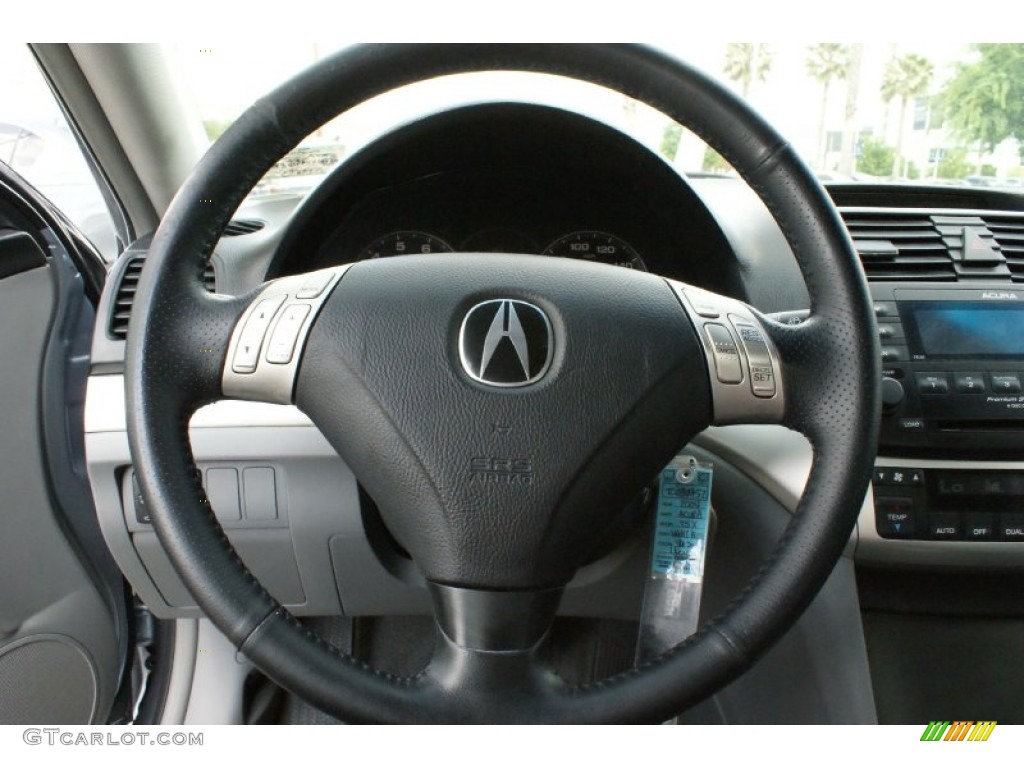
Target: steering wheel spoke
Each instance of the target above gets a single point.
(268, 340)
(743, 361)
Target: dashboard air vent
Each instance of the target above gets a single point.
(210, 278)
(129, 286)
(1009, 235)
(125, 297)
(897, 245)
(238, 227)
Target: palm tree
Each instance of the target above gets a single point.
(905, 78)
(826, 62)
(747, 62)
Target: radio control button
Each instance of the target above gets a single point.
(286, 334)
(725, 352)
(912, 425)
(932, 383)
(247, 352)
(1006, 383)
(944, 526)
(979, 526)
(892, 394)
(890, 332)
(886, 309)
(969, 383)
(894, 354)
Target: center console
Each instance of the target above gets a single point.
(952, 427)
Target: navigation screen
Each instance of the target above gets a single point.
(961, 329)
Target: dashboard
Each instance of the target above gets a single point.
(944, 267)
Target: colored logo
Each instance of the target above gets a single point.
(958, 730)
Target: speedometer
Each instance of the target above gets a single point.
(405, 243)
(596, 246)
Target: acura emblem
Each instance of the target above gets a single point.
(505, 343)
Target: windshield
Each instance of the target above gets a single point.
(942, 113)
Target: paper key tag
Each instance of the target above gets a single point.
(676, 578)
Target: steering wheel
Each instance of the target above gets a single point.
(598, 376)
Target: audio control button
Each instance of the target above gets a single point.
(969, 383)
(932, 383)
(894, 354)
(1006, 383)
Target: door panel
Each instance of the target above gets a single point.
(62, 640)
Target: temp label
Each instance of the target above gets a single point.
(681, 525)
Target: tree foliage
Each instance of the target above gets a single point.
(826, 62)
(670, 140)
(714, 162)
(875, 157)
(984, 101)
(746, 63)
(953, 164)
(905, 78)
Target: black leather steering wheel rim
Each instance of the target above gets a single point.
(179, 338)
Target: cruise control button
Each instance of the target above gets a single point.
(286, 333)
(247, 353)
(314, 285)
(1006, 383)
(932, 383)
(726, 353)
(762, 375)
(703, 303)
(969, 383)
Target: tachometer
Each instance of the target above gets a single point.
(596, 246)
(406, 243)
